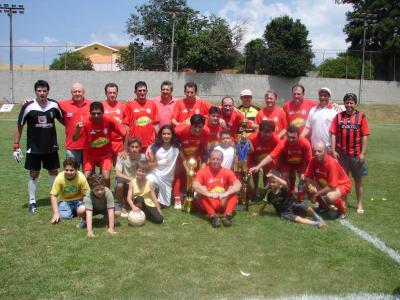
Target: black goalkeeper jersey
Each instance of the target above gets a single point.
(41, 129)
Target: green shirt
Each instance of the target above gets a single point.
(99, 204)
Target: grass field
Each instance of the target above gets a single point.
(186, 258)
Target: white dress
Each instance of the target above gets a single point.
(163, 175)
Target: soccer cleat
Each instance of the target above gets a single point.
(215, 222)
(32, 208)
(227, 221)
(321, 224)
(178, 205)
(81, 224)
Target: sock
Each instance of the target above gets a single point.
(32, 187)
(177, 199)
(52, 178)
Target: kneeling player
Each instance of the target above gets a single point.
(287, 207)
(69, 187)
(100, 200)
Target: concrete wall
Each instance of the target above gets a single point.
(211, 86)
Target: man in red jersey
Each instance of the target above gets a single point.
(74, 110)
(262, 142)
(349, 139)
(217, 188)
(189, 106)
(293, 154)
(297, 109)
(274, 113)
(213, 125)
(114, 109)
(141, 116)
(233, 118)
(326, 181)
(96, 130)
(165, 103)
(194, 141)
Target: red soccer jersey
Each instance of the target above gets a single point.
(234, 122)
(214, 133)
(262, 147)
(98, 137)
(293, 154)
(183, 110)
(216, 182)
(73, 114)
(277, 115)
(192, 145)
(349, 130)
(327, 173)
(141, 119)
(297, 115)
(115, 110)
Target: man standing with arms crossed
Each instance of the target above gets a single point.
(42, 146)
(74, 110)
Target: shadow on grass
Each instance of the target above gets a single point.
(39, 202)
(396, 293)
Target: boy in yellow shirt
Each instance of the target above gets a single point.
(66, 195)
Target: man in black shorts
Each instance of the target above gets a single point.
(41, 146)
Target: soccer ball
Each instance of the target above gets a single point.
(136, 218)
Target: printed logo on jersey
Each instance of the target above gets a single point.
(69, 114)
(143, 121)
(294, 160)
(105, 130)
(42, 119)
(218, 189)
(99, 142)
(70, 189)
(118, 119)
(42, 122)
(190, 150)
(298, 122)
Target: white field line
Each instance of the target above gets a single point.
(356, 296)
(377, 243)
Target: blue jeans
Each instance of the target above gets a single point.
(68, 209)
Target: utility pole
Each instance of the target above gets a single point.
(11, 9)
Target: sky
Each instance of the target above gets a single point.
(58, 23)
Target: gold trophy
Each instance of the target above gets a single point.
(192, 165)
(243, 148)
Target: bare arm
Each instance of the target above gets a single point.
(18, 134)
(154, 198)
(89, 223)
(202, 190)
(111, 230)
(119, 174)
(129, 197)
(279, 179)
(261, 164)
(305, 132)
(333, 146)
(54, 205)
(282, 134)
(364, 145)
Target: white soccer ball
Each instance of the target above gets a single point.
(136, 218)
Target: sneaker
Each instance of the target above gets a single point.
(321, 224)
(32, 208)
(227, 221)
(81, 224)
(178, 205)
(215, 222)
(124, 213)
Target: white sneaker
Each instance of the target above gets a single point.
(178, 205)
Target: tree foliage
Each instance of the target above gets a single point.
(288, 49)
(255, 53)
(138, 57)
(382, 33)
(71, 61)
(345, 66)
(203, 43)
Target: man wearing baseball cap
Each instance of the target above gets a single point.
(248, 110)
(320, 118)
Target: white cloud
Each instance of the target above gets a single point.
(110, 38)
(323, 18)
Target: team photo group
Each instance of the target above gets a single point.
(193, 155)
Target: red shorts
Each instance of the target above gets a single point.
(286, 168)
(89, 164)
(344, 189)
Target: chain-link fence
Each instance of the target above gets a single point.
(328, 63)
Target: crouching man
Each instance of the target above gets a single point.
(326, 180)
(217, 188)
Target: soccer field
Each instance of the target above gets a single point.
(186, 258)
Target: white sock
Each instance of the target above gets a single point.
(52, 178)
(32, 187)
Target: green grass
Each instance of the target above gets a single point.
(186, 258)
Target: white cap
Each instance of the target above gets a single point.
(325, 89)
(245, 93)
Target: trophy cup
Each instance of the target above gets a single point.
(192, 165)
(243, 148)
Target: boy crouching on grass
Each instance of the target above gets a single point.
(69, 187)
(286, 206)
(100, 200)
(125, 171)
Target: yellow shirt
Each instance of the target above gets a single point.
(70, 190)
(145, 193)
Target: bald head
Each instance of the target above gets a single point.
(216, 158)
(77, 92)
(320, 150)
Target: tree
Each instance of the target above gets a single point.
(199, 40)
(382, 33)
(71, 61)
(255, 53)
(289, 51)
(345, 66)
(138, 57)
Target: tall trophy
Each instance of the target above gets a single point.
(192, 165)
(243, 148)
